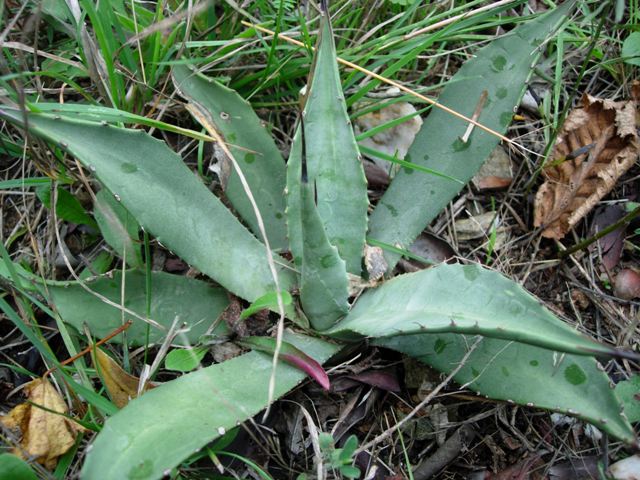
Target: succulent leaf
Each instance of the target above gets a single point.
(294, 218)
(197, 304)
(258, 156)
(465, 299)
(157, 188)
(334, 162)
(501, 69)
(195, 408)
(524, 374)
(324, 286)
(118, 227)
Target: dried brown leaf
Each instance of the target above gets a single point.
(45, 435)
(612, 243)
(121, 386)
(495, 172)
(603, 138)
(375, 262)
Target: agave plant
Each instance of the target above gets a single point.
(314, 207)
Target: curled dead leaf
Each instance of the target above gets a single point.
(597, 144)
(45, 435)
(122, 387)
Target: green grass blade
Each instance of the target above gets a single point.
(157, 188)
(324, 287)
(524, 374)
(502, 69)
(195, 408)
(24, 183)
(333, 159)
(465, 299)
(256, 152)
(43, 348)
(198, 305)
(118, 227)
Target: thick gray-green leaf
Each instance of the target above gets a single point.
(14, 468)
(118, 227)
(324, 287)
(155, 432)
(461, 299)
(197, 305)
(628, 392)
(294, 211)
(524, 374)
(501, 69)
(157, 188)
(334, 162)
(258, 156)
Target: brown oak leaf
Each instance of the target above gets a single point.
(597, 144)
(45, 435)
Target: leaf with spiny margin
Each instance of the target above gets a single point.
(502, 68)
(167, 199)
(524, 374)
(196, 408)
(334, 162)
(465, 299)
(197, 305)
(257, 154)
(294, 219)
(324, 285)
(118, 227)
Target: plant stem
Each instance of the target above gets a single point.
(614, 226)
(116, 332)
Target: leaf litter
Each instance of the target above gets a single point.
(45, 430)
(122, 386)
(597, 144)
